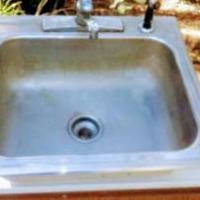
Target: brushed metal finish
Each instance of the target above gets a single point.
(140, 86)
(106, 24)
(133, 86)
(84, 10)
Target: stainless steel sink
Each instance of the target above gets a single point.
(133, 87)
(121, 104)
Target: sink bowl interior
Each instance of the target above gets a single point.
(133, 87)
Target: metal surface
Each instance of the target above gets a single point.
(83, 22)
(140, 86)
(85, 128)
(137, 97)
(84, 9)
(63, 24)
(93, 29)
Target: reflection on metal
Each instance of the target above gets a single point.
(5, 183)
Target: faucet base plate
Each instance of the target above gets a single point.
(68, 24)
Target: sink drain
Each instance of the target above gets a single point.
(85, 128)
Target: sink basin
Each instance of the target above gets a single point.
(120, 112)
(133, 87)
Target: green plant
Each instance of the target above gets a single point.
(50, 7)
(7, 7)
(41, 6)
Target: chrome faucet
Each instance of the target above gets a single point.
(84, 9)
(84, 19)
(83, 22)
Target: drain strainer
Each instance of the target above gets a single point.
(85, 128)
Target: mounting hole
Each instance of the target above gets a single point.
(145, 30)
(85, 128)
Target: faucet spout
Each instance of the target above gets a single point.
(93, 29)
(84, 19)
(84, 10)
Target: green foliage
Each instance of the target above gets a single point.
(7, 7)
(41, 6)
(49, 6)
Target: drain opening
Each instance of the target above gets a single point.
(85, 128)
